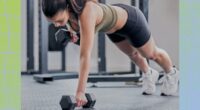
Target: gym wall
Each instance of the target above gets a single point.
(163, 21)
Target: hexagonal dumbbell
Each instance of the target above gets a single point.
(69, 102)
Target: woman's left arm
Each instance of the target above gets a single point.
(87, 32)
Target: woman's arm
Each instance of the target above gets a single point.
(87, 31)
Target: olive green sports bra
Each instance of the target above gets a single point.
(109, 18)
(108, 21)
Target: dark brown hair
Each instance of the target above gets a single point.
(51, 7)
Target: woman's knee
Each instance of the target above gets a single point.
(149, 50)
(133, 54)
(151, 54)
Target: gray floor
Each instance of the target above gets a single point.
(110, 96)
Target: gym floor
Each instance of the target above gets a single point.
(110, 96)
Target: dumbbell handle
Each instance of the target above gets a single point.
(90, 104)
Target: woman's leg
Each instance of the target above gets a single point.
(150, 75)
(171, 79)
(133, 54)
(151, 51)
(138, 33)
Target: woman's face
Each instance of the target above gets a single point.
(60, 19)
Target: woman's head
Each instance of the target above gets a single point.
(56, 11)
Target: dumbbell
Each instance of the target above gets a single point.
(56, 36)
(69, 102)
(62, 36)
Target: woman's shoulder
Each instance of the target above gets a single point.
(90, 6)
(90, 3)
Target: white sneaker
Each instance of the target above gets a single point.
(149, 82)
(170, 83)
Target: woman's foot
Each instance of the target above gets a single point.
(149, 81)
(170, 83)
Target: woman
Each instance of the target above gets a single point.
(126, 26)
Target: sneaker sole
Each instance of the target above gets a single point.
(144, 93)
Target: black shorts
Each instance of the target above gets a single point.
(136, 29)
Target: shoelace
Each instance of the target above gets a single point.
(167, 79)
(147, 79)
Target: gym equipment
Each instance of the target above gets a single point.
(113, 78)
(58, 38)
(43, 78)
(69, 102)
(63, 36)
(30, 35)
(93, 77)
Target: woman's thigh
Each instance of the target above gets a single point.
(126, 47)
(148, 50)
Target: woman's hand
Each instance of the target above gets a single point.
(80, 99)
(74, 37)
